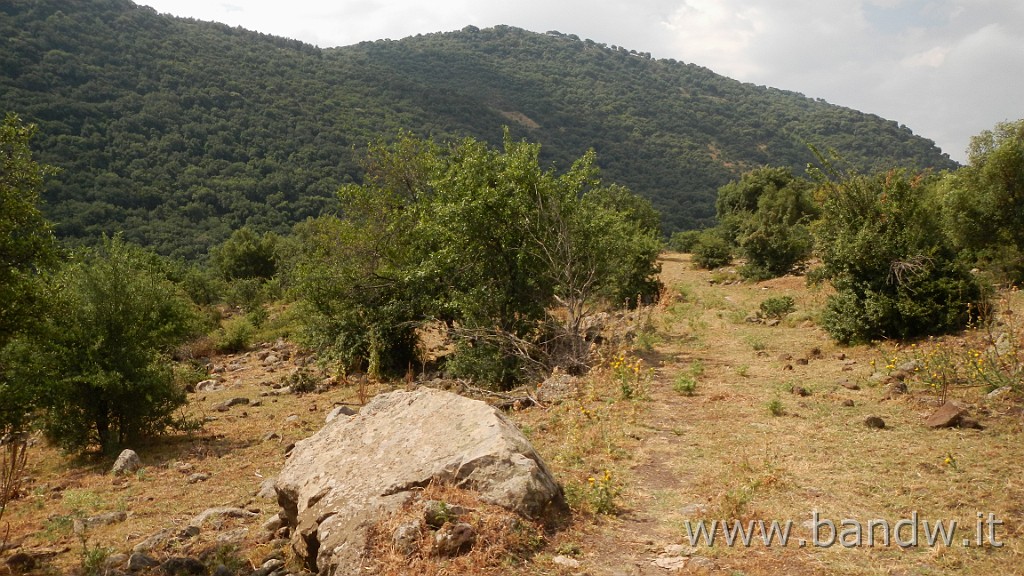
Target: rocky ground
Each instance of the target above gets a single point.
(711, 414)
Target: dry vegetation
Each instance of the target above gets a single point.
(699, 420)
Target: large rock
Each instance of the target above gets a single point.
(340, 481)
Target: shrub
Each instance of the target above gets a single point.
(711, 250)
(777, 307)
(103, 361)
(684, 240)
(893, 269)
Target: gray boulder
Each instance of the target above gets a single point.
(127, 462)
(339, 482)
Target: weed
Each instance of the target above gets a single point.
(631, 377)
(743, 370)
(685, 384)
(697, 368)
(601, 493)
(758, 343)
(775, 407)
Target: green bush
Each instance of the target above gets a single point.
(102, 363)
(684, 241)
(777, 307)
(884, 251)
(235, 335)
(712, 251)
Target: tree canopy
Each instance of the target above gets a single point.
(178, 132)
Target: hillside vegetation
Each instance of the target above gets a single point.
(178, 132)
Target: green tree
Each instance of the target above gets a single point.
(883, 249)
(102, 361)
(766, 215)
(480, 239)
(26, 248)
(246, 254)
(983, 204)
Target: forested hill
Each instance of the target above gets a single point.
(177, 131)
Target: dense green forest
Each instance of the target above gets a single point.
(176, 131)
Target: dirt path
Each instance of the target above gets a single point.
(723, 454)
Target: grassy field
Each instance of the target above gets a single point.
(708, 415)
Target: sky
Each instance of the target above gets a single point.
(947, 69)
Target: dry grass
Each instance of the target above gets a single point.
(636, 468)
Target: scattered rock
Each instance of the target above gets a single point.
(785, 357)
(227, 404)
(219, 514)
(80, 526)
(998, 392)
(849, 385)
(896, 389)
(271, 436)
(266, 491)
(800, 391)
(679, 550)
(671, 563)
(772, 322)
(701, 563)
(949, 415)
(874, 422)
(272, 523)
(198, 477)
(339, 411)
(802, 361)
(21, 563)
(557, 388)
(840, 356)
(139, 561)
(436, 513)
(342, 479)
(269, 567)
(565, 561)
(127, 462)
(848, 403)
(183, 566)
(909, 367)
(210, 385)
(165, 536)
(407, 536)
(454, 539)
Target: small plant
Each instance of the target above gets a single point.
(631, 377)
(743, 370)
(775, 407)
(777, 307)
(685, 384)
(601, 493)
(234, 336)
(756, 342)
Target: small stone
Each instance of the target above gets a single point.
(949, 415)
(679, 550)
(671, 563)
(436, 513)
(896, 389)
(269, 567)
(454, 539)
(127, 462)
(183, 566)
(339, 411)
(785, 357)
(849, 385)
(139, 561)
(848, 403)
(271, 436)
(565, 561)
(407, 537)
(198, 477)
(800, 391)
(874, 422)
(998, 392)
(272, 524)
(209, 385)
(802, 361)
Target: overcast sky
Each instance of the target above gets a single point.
(947, 69)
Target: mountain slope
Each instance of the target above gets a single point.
(177, 131)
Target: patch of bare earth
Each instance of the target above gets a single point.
(774, 430)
